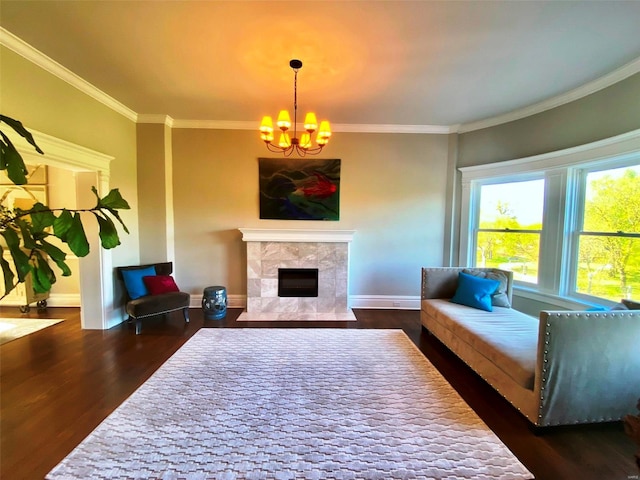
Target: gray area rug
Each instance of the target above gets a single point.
(293, 404)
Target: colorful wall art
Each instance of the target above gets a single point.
(299, 189)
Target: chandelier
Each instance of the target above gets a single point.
(288, 145)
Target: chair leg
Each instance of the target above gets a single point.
(185, 312)
(138, 326)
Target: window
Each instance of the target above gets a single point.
(566, 223)
(608, 237)
(509, 227)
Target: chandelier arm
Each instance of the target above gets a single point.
(288, 151)
(314, 150)
(274, 148)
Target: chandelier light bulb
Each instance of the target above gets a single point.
(325, 130)
(310, 122)
(305, 141)
(266, 126)
(285, 141)
(284, 121)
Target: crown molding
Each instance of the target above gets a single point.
(339, 127)
(372, 128)
(218, 124)
(156, 118)
(605, 81)
(38, 58)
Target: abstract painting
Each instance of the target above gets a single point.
(299, 189)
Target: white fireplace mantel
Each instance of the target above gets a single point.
(296, 235)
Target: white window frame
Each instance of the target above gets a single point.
(562, 170)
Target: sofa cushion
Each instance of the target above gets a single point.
(157, 304)
(506, 337)
(133, 281)
(439, 282)
(499, 298)
(475, 291)
(159, 284)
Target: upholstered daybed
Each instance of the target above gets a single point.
(564, 367)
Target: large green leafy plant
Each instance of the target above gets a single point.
(26, 233)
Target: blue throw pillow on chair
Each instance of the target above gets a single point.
(475, 291)
(134, 283)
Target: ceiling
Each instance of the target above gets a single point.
(429, 63)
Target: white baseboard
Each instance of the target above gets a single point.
(54, 300)
(240, 301)
(397, 302)
(233, 301)
(64, 300)
(355, 301)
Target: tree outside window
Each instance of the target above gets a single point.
(608, 263)
(509, 228)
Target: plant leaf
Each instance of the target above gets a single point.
(27, 239)
(58, 256)
(41, 217)
(62, 224)
(20, 259)
(113, 200)
(108, 233)
(111, 203)
(12, 161)
(7, 273)
(117, 216)
(19, 128)
(43, 276)
(69, 229)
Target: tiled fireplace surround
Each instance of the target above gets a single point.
(270, 249)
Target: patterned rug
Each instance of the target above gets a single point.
(240, 404)
(12, 328)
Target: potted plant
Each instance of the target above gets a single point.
(26, 233)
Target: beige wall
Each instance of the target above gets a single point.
(152, 192)
(393, 190)
(606, 113)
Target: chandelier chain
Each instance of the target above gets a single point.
(295, 102)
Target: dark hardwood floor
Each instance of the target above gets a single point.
(59, 383)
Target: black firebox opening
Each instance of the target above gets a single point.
(297, 282)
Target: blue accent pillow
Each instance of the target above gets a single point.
(475, 291)
(134, 283)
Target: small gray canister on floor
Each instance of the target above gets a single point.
(214, 302)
